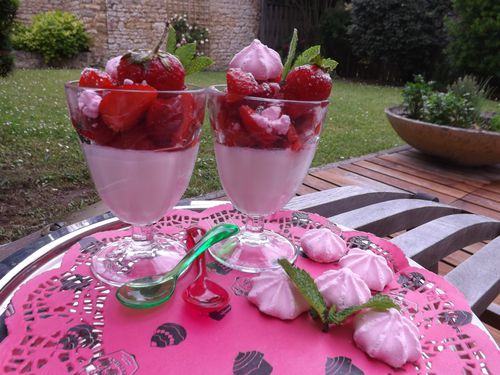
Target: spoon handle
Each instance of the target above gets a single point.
(214, 235)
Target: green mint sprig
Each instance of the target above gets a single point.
(187, 54)
(291, 54)
(307, 287)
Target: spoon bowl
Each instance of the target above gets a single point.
(154, 290)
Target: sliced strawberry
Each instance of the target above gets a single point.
(121, 110)
(241, 83)
(293, 139)
(95, 78)
(248, 121)
(129, 70)
(134, 139)
(307, 82)
(172, 121)
(165, 72)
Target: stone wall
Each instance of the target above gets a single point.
(118, 25)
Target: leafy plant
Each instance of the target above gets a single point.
(55, 35)
(403, 36)
(493, 124)
(307, 287)
(449, 109)
(9, 9)
(469, 85)
(414, 94)
(474, 32)
(187, 33)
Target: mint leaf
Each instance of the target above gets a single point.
(186, 53)
(325, 64)
(307, 56)
(291, 54)
(306, 286)
(171, 40)
(377, 302)
(198, 64)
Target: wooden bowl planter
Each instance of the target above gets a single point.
(469, 147)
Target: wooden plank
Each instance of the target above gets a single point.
(444, 268)
(423, 174)
(395, 182)
(480, 201)
(418, 181)
(457, 257)
(342, 177)
(493, 186)
(303, 190)
(494, 332)
(426, 167)
(318, 183)
(493, 196)
(476, 209)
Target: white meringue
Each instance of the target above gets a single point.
(271, 120)
(387, 336)
(322, 245)
(263, 62)
(274, 294)
(372, 268)
(112, 67)
(342, 288)
(88, 103)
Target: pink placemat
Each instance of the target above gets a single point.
(65, 321)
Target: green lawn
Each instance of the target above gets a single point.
(43, 176)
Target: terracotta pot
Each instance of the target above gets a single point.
(462, 146)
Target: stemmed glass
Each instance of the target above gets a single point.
(140, 147)
(263, 149)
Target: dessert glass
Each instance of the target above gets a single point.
(261, 170)
(140, 173)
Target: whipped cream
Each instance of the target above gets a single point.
(372, 268)
(88, 103)
(387, 336)
(274, 294)
(271, 120)
(342, 288)
(112, 67)
(322, 245)
(263, 62)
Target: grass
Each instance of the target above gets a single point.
(43, 176)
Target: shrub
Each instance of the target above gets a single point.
(189, 32)
(494, 123)
(414, 94)
(448, 109)
(474, 31)
(405, 37)
(55, 35)
(9, 9)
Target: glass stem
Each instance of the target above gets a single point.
(142, 235)
(254, 227)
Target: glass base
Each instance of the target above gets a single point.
(254, 252)
(125, 259)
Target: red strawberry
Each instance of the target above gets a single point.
(95, 79)
(241, 83)
(171, 121)
(121, 110)
(129, 70)
(133, 139)
(307, 82)
(265, 139)
(165, 72)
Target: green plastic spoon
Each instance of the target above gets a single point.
(154, 290)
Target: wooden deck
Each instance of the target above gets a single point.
(476, 190)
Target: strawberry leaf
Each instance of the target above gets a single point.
(306, 286)
(325, 64)
(186, 53)
(198, 64)
(291, 54)
(307, 56)
(171, 40)
(377, 302)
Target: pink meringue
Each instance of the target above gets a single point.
(88, 103)
(323, 246)
(271, 120)
(274, 294)
(112, 67)
(342, 288)
(372, 268)
(263, 62)
(387, 336)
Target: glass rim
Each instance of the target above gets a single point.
(216, 89)
(191, 89)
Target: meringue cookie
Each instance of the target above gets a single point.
(372, 268)
(271, 120)
(88, 103)
(263, 62)
(342, 288)
(274, 294)
(387, 336)
(322, 245)
(112, 67)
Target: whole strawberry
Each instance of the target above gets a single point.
(307, 82)
(159, 69)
